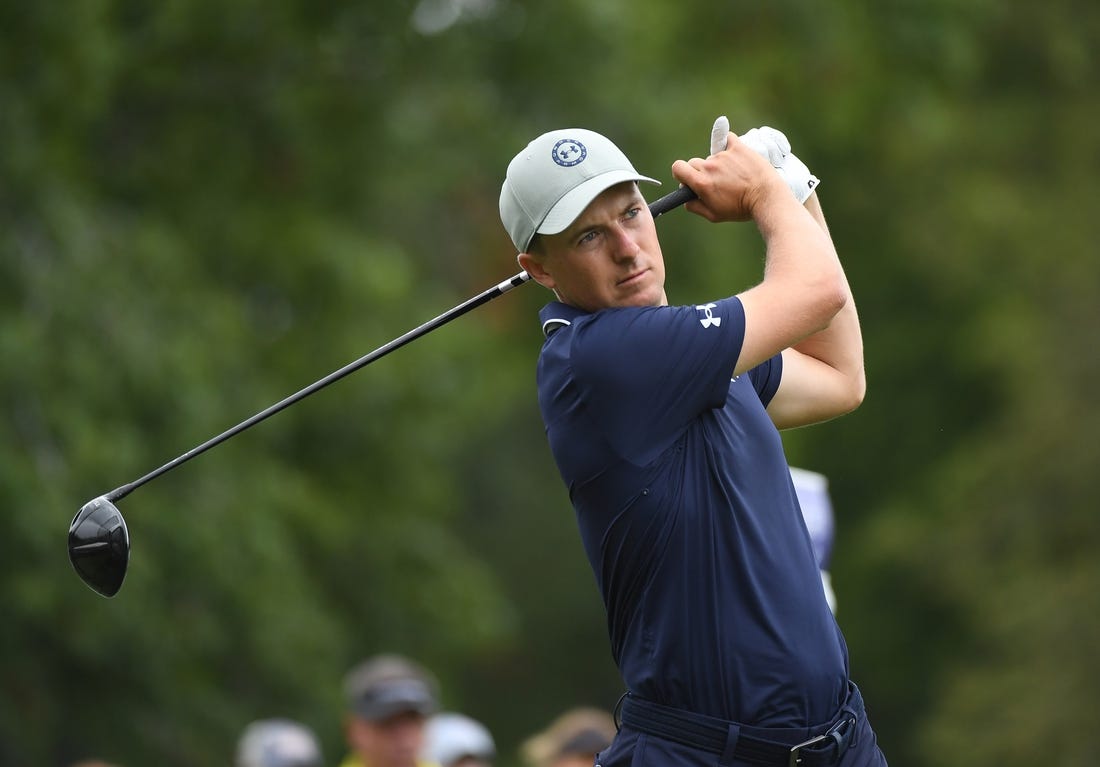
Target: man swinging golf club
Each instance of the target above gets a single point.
(663, 421)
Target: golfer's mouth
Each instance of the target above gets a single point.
(633, 278)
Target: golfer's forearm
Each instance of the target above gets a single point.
(801, 262)
(840, 344)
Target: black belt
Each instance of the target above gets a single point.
(725, 738)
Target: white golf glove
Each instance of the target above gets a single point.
(774, 147)
(719, 134)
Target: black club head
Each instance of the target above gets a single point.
(99, 546)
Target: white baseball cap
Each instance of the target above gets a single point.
(552, 181)
(278, 743)
(451, 737)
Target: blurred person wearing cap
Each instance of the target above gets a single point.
(278, 743)
(573, 739)
(389, 700)
(456, 740)
(663, 420)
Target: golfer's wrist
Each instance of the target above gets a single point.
(772, 204)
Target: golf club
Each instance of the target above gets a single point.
(99, 542)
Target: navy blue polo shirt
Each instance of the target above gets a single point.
(688, 514)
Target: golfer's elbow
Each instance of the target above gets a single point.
(828, 295)
(837, 294)
(843, 394)
(853, 376)
(857, 390)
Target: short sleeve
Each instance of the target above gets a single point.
(645, 374)
(765, 378)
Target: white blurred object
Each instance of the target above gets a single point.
(278, 743)
(451, 738)
(432, 17)
(812, 490)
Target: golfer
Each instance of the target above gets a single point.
(663, 421)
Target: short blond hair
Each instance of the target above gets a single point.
(578, 731)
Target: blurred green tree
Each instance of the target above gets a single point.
(205, 207)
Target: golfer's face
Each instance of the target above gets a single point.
(609, 256)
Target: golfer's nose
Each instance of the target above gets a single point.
(623, 244)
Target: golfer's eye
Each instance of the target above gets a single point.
(632, 213)
(586, 238)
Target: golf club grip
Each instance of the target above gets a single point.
(671, 200)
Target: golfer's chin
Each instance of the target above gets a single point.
(648, 293)
(636, 295)
(641, 301)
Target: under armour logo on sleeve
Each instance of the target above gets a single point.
(710, 319)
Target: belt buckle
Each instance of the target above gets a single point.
(796, 751)
(839, 733)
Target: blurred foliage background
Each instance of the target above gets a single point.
(205, 206)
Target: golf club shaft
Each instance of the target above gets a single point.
(657, 208)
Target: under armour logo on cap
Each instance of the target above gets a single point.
(710, 319)
(569, 152)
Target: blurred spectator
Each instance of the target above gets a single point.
(571, 740)
(812, 490)
(456, 740)
(389, 700)
(278, 743)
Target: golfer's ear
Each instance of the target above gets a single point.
(533, 266)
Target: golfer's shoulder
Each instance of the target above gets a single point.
(605, 328)
(614, 342)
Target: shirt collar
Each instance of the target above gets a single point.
(556, 315)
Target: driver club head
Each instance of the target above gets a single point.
(99, 546)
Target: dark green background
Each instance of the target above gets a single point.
(205, 206)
